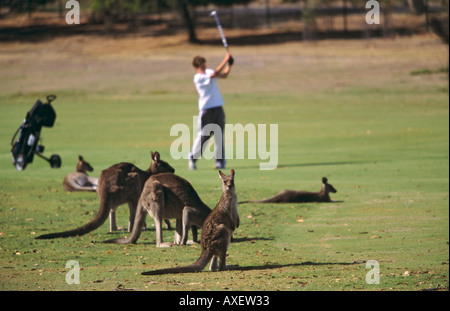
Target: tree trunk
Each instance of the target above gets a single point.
(344, 15)
(188, 20)
(387, 18)
(309, 21)
(416, 6)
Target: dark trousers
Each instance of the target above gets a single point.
(210, 122)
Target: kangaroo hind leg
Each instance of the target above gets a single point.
(223, 258)
(213, 266)
(187, 221)
(132, 206)
(178, 232)
(153, 194)
(112, 220)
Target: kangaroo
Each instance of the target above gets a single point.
(119, 184)
(292, 196)
(216, 232)
(80, 180)
(168, 196)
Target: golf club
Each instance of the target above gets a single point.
(216, 18)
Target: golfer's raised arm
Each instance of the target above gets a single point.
(218, 73)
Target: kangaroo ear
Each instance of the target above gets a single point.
(80, 158)
(232, 173)
(221, 175)
(324, 180)
(155, 156)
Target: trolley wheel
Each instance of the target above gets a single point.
(55, 161)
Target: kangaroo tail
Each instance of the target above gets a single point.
(254, 201)
(197, 266)
(139, 221)
(99, 219)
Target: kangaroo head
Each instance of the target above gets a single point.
(227, 181)
(158, 165)
(328, 187)
(83, 166)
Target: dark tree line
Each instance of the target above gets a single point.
(186, 8)
(112, 9)
(110, 12)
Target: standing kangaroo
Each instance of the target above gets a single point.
(292, 196)
(216, 232)
(168, 196)
(119, 184)
(80, 180)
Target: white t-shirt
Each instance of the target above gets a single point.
(208, 91)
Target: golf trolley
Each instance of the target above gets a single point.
(26, 146)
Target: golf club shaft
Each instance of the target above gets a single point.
(222, 35)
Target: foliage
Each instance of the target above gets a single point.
(115, 8)
(23, 5)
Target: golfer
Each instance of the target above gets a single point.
(210, 105)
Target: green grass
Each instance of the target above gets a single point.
(383, 143)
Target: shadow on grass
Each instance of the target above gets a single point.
(41, 32)
(318, 164)
(258, 268)
(246, 239)
(290, 165)
(235, 240)
(305, 263)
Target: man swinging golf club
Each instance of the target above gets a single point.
(210, 104)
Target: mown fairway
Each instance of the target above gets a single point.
(348, 110)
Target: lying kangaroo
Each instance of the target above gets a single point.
(292, 196)
(216, 232)
(168, 196)
(119, 184)
(80, 180)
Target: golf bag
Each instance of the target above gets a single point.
(26, 146)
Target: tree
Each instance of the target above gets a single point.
(309, 20)
(23, 5)
(416, 6)
(187, 6)
(109, 11)
(188, 19)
